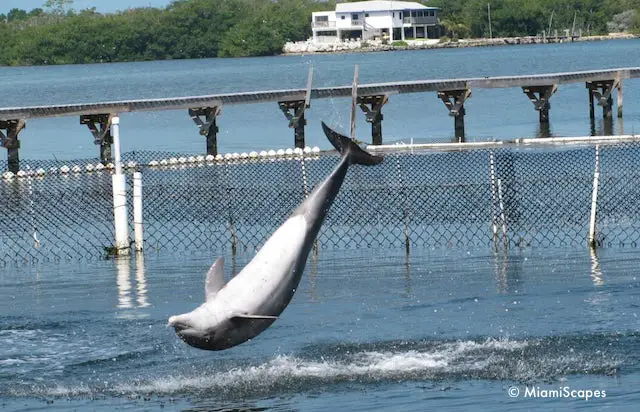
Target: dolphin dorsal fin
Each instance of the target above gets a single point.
(215, 279)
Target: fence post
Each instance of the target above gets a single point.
(594, 200)
(502, 215)
(119, 184)
(138, 227)
(494, 197)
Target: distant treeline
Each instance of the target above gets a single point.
(470, 18)
(57, 34)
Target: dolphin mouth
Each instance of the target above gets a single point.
(178, 326)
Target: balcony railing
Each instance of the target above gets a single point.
(421, 20)
(357, 22)
(324, 24)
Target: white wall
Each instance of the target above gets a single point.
(380, 19)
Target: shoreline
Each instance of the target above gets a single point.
(357, 46)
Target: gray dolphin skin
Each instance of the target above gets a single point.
(250, 302)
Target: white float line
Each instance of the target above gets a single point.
(534, 142)
(281, 154)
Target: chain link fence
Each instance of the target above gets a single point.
(500, 197)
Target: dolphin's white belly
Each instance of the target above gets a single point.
(272, 265)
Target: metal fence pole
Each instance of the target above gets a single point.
(502, 215)
(138, 226)
(594, 200)
(494, 196)
(119, 184)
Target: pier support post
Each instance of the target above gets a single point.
(454, 100)
(372, 108)
(298, 104)
(208, 126)
(9, 131)
(100, 127)
(601, 90)
(119, 183)
(296, 119)
(620, 102)
(540, 96)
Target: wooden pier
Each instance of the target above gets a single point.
(204, 110)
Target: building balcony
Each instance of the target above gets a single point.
(323, 24)
(421, 20)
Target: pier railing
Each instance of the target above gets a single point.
(500, 195)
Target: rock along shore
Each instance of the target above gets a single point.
(358, 46)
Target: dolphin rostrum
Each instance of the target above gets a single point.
(250, 302)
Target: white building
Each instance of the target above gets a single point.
(393, 20)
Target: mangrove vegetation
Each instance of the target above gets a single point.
(56, 33)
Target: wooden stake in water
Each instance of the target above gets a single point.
(307, 98)
(354, 102)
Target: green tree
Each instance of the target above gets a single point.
(58, 6)
(16, 14)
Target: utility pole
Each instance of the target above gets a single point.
(489, 12)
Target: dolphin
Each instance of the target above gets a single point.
(241, 309)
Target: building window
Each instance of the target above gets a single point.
(355, 16)
(400, 15)
(366, 15)
(342, 17)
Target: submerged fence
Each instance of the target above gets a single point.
(504, 197)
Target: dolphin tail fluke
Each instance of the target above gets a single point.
(349, 148)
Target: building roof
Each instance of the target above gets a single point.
(360, 6)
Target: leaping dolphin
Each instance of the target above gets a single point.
(250, 302)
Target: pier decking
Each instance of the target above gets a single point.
(293, 102)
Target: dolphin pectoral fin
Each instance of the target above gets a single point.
(249, 316)
(215, 279)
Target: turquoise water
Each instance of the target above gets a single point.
(368, 329)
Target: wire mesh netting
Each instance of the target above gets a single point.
(489, 197)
